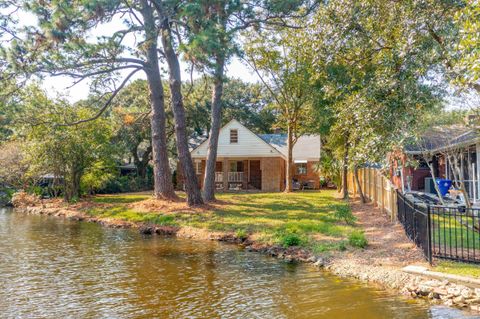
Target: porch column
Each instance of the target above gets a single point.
(477, 168)
(245, 174)
(447, 175)
(225, 173)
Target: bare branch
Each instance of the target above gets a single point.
(107, 103)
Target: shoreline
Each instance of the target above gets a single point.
(342, 264)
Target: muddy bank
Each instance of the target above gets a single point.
(381, 263)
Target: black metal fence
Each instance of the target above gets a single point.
(416, 222)
(442, 231)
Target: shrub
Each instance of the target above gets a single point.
(344, 213)
(241, 234)
(357, 239)
(288, 240)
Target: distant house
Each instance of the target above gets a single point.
(246, 160)
(458, 139)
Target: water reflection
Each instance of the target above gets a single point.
(53, 268)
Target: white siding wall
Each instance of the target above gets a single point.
(249, 144)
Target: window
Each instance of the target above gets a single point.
(233, 136)
(198, 167)
(301, 168)
(236, 166)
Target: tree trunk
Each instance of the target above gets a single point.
(216, 119)
(458, 176)
(345, 171)
(359, 187)
(161, 168)
(289, 166)
(194, 196)
(435, 185)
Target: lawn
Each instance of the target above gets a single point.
(313, 219)
(458, 268)
(448, 233)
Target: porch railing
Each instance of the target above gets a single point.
(235, 176)
(218, 177)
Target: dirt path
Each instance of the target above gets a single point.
(388, 244)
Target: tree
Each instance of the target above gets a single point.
(12, 165)
(66, 152)
(373, 76)
(61, 45)
(278, 62)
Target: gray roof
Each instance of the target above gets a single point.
(307, 146)
(438, 138)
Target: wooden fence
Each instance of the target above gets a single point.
(377, 188)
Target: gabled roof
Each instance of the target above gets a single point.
(307, 146)
(256, 137)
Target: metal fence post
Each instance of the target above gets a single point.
(429, 236)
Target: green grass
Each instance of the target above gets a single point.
(313, 219)
(449, 232)
(457, 268)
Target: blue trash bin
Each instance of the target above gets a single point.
(443, 185)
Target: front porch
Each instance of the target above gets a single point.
(236, 174)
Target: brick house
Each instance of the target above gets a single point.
(438, 142)
(246, 160)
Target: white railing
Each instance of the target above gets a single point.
(235, 176)
(219, 177)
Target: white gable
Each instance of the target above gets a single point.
(249, 144)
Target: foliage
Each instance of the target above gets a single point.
(357, 239)
(66, 152)
(329, 167)
(243, 101)
(12, 165)
(468, 20)
(126, 184)
(96, 176)
(343, 212)
(290, 239)
(241, 234)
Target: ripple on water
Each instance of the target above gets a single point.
(54, 268)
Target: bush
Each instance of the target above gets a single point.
(126, 184)
(288, 240)
(241, 234)
(357, 239)
(343, 212)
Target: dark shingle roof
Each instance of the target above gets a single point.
(442, 138)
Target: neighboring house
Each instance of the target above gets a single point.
(438, 145)
(246, 160)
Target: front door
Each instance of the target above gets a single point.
(255, 175)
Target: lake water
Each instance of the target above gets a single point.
(56, 268)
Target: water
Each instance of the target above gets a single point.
(55, 268)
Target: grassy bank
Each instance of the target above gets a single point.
(314, 219)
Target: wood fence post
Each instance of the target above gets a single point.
(382, 188)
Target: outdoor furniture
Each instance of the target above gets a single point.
(310, 184)
(296, 185)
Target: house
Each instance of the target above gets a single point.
(246, 160)
(446, 149)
